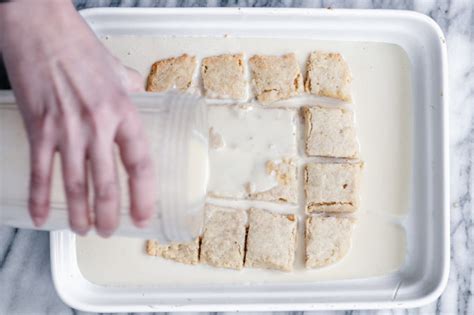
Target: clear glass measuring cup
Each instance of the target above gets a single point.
(176, 126)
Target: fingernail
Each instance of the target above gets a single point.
(38, 221)
(142, 223)
(81, 231)
(106, 233)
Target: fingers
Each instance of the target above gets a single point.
(135, 81)
(106, 189)
(130, 79)
(138, 164)
(74, 169)
(41, 163)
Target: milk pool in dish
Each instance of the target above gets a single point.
(381, 89)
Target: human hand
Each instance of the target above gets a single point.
(72, 95)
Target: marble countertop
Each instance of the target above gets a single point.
(25, 278)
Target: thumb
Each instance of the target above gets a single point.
(130, 79)
(134, 82)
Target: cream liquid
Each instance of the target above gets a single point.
(381, 88)
(247, 146)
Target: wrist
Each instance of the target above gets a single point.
(31, 14)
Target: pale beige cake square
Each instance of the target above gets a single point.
(327, 240)
(223, 239)
(223, 77)
(332, 187)
(186, 253)
(286, 189)
(330, 132)
(275, 77)
(271, 240)
(327, 74)
(171, 73)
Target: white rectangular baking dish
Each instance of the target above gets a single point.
(425, 272)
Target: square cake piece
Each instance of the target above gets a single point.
(330, 132)
(171, 73)
(223, 77)
(223, 239)
(186, 253)
(327, 240)
(275, 77)
(258, 162)
(271, 240)
(327, 74)
(332, 187)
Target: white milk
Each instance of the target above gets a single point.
(251, 137)
(382, 93)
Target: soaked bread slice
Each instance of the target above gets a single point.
(223, 239)
(275, 77)
(330, 132)
(271, 240)
(223, 77)
(327, 240)
(286, 188)
(186, 253)
(327, 74)
(332, 187)
(171, 73)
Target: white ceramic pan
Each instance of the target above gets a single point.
(424, 273)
